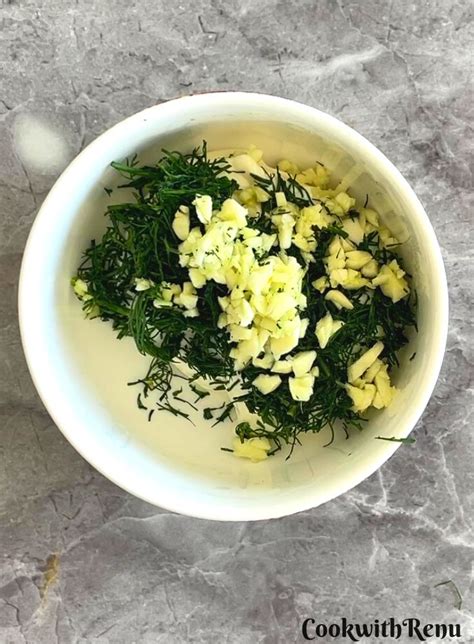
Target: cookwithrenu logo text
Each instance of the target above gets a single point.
(411, 627)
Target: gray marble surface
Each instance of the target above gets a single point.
(83, 561)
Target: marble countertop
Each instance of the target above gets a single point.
(83, 561)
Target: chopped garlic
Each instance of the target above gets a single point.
(317, 176)
(285, 343)
(348, 278)
(243, 166)
(353, 228)
(347, 245)
(288, 166)
(371, 216)
(344, 201)
(385, 392)
(168, 291)
(301, 388)
(357, 259)
(280, 305)
(391, 281)
(280, 199)
(282, 366)
(264, 363)
(372, 371)
(326, 327)
(197, 277)
(303, 243)
(386, 237)
(238, 332)
(302, 362)
(339, 299)
(310, 217)
(335, 262)
(356, 369)
(160, 303)
(251, 197)
(142, 284)
(284, 224)
(181, 223)
(203, 205)
(321, 284)
(188, 297)
(266, 384)
(81, 289)
(361, 397)
(255, 449)
(191, 313)
(370, 269)
(233, 213)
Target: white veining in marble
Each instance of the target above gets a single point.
(400, 73)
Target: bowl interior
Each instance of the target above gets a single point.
(82, 371)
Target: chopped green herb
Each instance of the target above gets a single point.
(207, 413)
(455, 591)
(406, 441)
(199, 392)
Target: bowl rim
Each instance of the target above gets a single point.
(172, 502)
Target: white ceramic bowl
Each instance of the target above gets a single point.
(81, 370)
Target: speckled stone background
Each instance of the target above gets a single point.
(121, 571)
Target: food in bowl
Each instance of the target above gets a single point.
(81, 371)
(264, 281)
